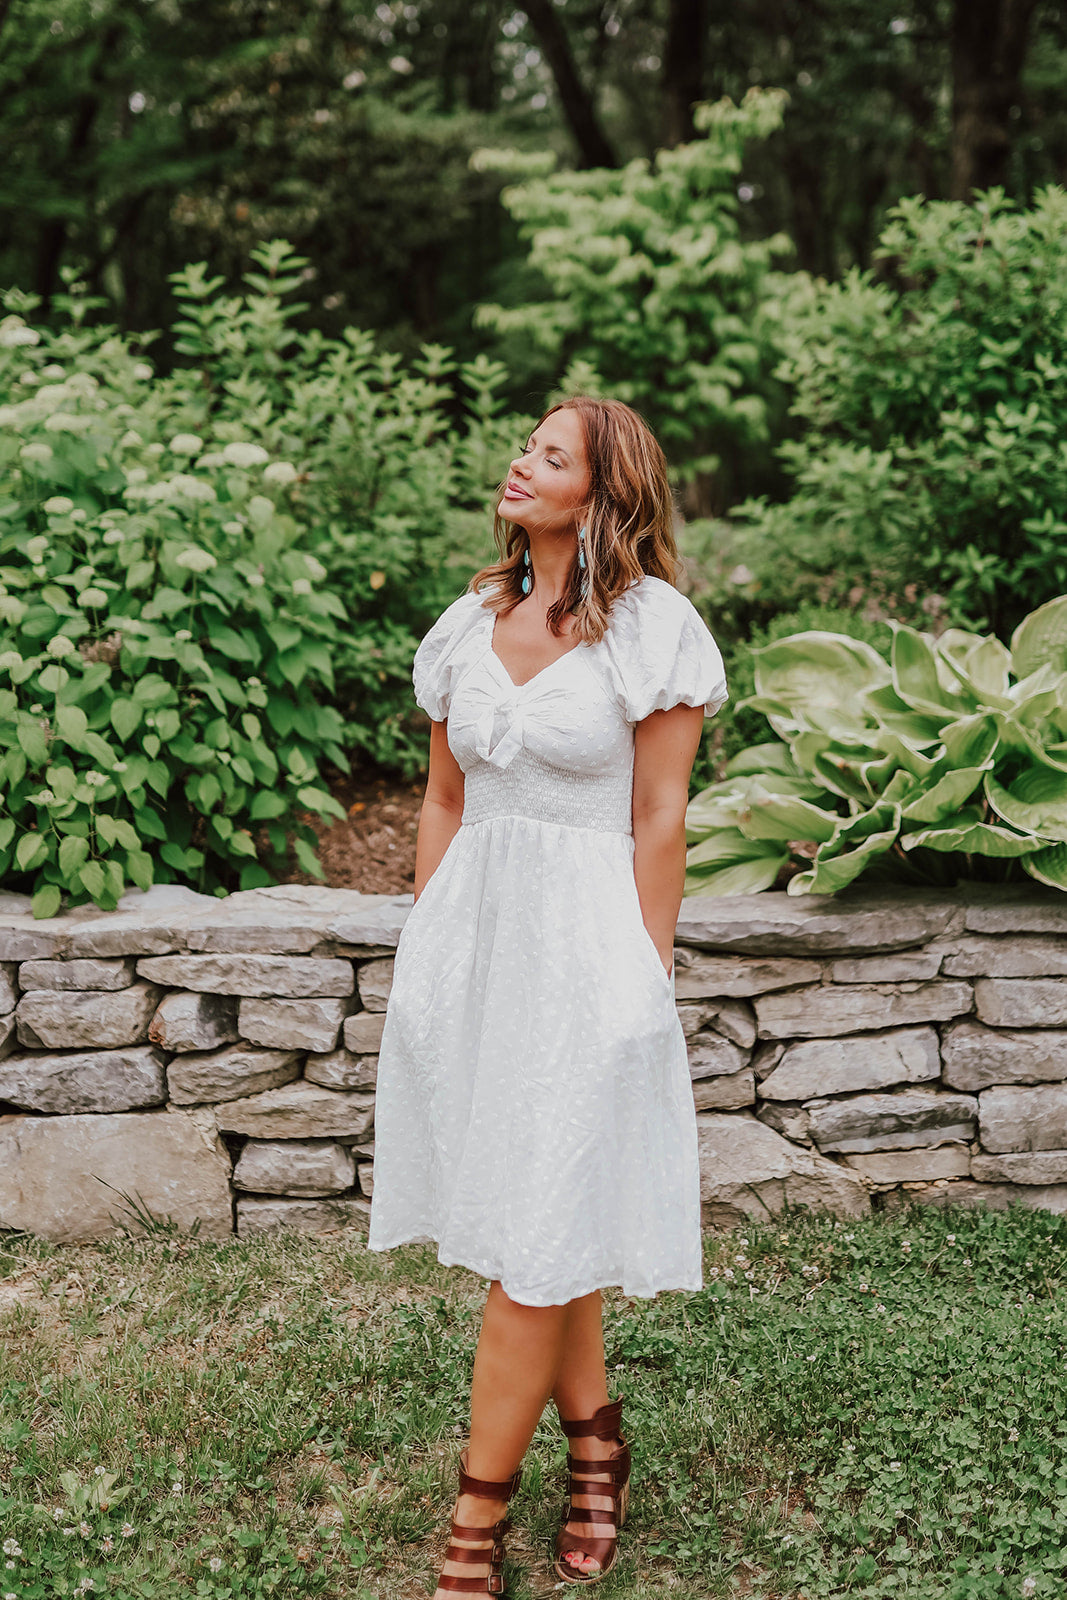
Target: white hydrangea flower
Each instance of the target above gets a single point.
(280, 472)
(53, 395)
(30, 378)
(213, 458)
(58, 506)
(9, 659)
(36, 547)
(13, 336)
(96, 780)
(154, 449)
(53, 370)
(9, 415)
(77, 515)
(186, 444)
(63, 422)
(83, 381)
(43, 797)
(302, 586)
(183, 635)
(142, 371)
(239, 453)
(256, 580)
(36, 450)
(130, 439)
(233, 527)
(60, 646)
(92, 597)
(315, 567)
(114, 536)
(137, 475)
(191, 488)
(196, 560)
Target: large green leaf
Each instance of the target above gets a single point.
(844, 767)
(784, 817)
(853, 845)
(946, 796)
(760, 758)
(728, 863)
(774, 761)
(1049, 866)
(981, 665)
(891, 712)
(970, 742)
(820, 672)
(967, 834)
(1041, 637)
(1015, 735)
(1035, 801)
(916, 677)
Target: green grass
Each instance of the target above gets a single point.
(870, 1409)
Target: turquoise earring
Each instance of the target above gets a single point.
(526, 582)
(584, 587)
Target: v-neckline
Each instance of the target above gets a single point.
(548, 668)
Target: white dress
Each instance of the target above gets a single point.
(534, 1110)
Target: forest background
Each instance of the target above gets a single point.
(820, 245)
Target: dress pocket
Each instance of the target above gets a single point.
(666, 978)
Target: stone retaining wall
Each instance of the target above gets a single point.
(214, 1061)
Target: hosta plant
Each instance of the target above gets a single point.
(947, 761)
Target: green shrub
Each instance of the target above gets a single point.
(930, 401)
(949, 761)
(213, 582)
(651, 292)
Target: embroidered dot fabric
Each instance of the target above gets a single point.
(534, 1113)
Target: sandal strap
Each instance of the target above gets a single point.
(482, 1489)
(494, 1584)
(615, 1474)
(600, 1519)
(599, 1549)
(458, 1552)
(496, 1532)
(603, 1424)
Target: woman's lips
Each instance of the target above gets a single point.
(513, 492)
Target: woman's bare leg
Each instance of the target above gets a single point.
(519, 1354)
(581, 1388)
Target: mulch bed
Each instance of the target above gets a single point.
(373, 850)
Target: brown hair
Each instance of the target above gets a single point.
(629, 521)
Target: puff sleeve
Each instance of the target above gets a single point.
(663, 654)
(441, 655)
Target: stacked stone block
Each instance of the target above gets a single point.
(215, 1061)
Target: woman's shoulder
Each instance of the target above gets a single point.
(463, 609)
(652, 603)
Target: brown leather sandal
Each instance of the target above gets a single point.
(493, 1557)
(609, 1480)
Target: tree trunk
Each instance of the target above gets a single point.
(989, 43)
(683, 67)
(577, 104)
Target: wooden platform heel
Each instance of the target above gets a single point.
(601, 1481)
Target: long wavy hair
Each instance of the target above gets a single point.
(628, 518)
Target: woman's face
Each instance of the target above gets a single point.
(548, 482)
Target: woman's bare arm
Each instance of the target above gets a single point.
(665, 747)
(442, 807)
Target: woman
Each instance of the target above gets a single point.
(535, 1115)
